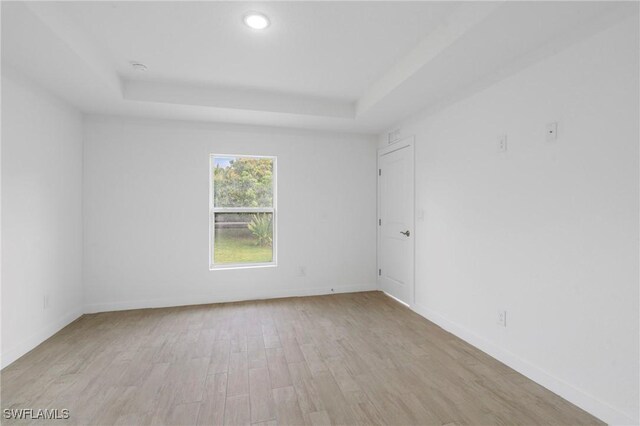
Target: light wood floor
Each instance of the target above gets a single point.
(348, 359)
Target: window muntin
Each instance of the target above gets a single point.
(242, 202)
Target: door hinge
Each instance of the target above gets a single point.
(379, 271)
(379, 222)
(379, 172)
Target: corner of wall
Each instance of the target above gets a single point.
(31, 342)
(587, 402)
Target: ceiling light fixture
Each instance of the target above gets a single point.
(255, 20)
(139, 67)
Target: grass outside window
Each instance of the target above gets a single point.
(242, 201)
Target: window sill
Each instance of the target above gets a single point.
(242, 266)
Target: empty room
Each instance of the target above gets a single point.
(320, 213)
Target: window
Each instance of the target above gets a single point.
(242, 211)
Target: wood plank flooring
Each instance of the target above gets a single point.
(349, 359)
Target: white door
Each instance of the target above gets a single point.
(395, 220)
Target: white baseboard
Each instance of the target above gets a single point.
(221, 298)
(587, 402)
(9, 356)
(12, 354)
(572, 394)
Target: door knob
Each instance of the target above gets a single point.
(405, 233)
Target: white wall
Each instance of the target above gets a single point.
(146, 213)
(41, 217)
(546, 231)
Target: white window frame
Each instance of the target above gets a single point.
(213, 210)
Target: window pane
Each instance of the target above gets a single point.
(243, 238)
(242, 182)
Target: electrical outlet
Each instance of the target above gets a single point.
(502, 318)
(502, 143)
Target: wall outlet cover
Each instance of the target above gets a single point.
(502, 143)
(502, 318)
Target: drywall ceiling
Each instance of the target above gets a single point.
(326, 50)
(344, 66)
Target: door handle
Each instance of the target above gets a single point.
(405, 233)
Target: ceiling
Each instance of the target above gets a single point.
(344, 66)
(327, 50)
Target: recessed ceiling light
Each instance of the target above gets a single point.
(139, 67)
(255, 20)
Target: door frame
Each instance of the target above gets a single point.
(407, 141)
